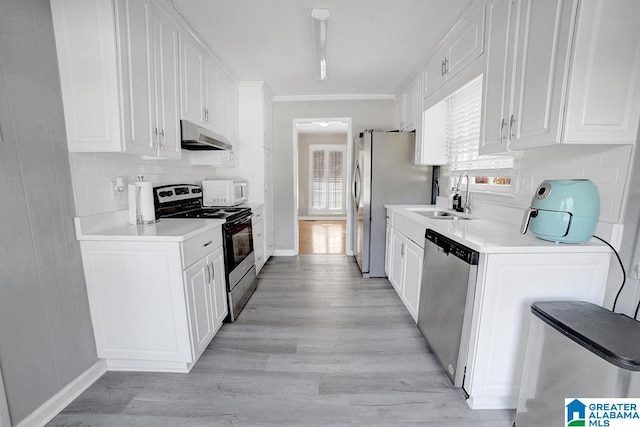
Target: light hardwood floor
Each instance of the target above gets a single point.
(322, 236)
(315, 345)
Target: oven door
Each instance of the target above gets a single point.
(238, 236)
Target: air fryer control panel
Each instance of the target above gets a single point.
(543, 191)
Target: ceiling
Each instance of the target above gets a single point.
(373, 45)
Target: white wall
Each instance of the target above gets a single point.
(365, 114)
(46, 338)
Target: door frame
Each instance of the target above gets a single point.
(349, 172)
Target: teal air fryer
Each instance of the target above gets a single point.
(563, 211)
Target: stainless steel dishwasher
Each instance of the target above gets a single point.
(446, 301)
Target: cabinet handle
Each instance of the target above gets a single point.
(512, 121)
(213, 271)
(446, 65)
(208, 274)
(442, 70)
(402, 250)
(162, 133)
(207, 244)
(502, 124)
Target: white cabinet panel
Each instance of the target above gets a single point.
(412, 277)
(540, 74)
(193, 80)
(456, 51)
(496, 89)
(220, 300)
(198, 292)
(607, 49)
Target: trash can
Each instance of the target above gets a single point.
(576, 349)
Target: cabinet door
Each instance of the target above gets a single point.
(88, 62)
(197, 280)
(541, 72)
(466, 44)
(387, 251)
(412, 277)
(167, 84)
(434, 73)
(212, 113)
(219, 288)
(604, 103)
(193, 92)
(138, 75)
(496, 90)
(397, 261)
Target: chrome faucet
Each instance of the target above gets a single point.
(466, 207)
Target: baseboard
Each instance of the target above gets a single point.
(52, 407)
(284, 252)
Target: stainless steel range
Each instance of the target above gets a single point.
(185, 201)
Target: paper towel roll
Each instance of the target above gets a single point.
(146, 209)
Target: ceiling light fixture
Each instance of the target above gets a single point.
(319, 27)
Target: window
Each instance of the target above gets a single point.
(327, 179)
(463, 116)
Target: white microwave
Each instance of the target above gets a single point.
(224, 192)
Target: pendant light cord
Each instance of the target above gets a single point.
(624, 277)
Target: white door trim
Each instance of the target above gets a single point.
(349, 172)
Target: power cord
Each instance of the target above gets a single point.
(624, 277)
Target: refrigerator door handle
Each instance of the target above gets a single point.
(356, 186)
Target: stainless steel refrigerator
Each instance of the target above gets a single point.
(384, 173)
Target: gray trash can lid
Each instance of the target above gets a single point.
(612, 336)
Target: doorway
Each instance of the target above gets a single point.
(322, 157)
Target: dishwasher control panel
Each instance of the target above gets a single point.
(451, 247)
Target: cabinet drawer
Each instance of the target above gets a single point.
(201, 245)
(258, 215)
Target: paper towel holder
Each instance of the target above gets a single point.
(136, 208)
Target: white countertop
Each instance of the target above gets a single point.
(491, 236)
(115, 227)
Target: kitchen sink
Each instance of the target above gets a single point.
(436, 214)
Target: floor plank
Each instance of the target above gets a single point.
(322, 236)
(316, 345)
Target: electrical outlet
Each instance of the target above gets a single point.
(117, 186)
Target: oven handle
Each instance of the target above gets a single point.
(240, 221)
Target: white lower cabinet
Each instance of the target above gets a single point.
(507, 286)
(259, 242)
(155, 306)
(403, 261)
(205, 291)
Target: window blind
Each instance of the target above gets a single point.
(463, 128)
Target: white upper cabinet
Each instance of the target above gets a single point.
(463, 44)
(563, 71)
(409, 105)
(149, 57)
(604, 89)
(209, 93)
(194, 89)
(119, 79)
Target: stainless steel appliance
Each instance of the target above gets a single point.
(224, 192)
(446, 301)
(185, 201)
(194, 137)
(564, 211)
(384, 173)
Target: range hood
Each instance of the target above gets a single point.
(196, 137)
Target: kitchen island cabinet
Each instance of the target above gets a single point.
(514, 270)
(157, 294)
